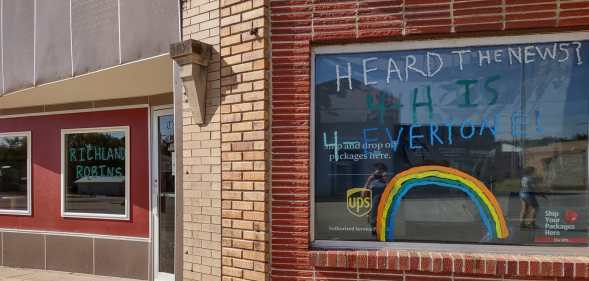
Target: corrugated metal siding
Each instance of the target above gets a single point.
(95, 33)
(53, 52)
(143, 33)
(48, 40)
(17, 32)
(1, 48)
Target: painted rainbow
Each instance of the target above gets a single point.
(443, 177)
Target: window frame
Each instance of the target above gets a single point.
(126, 216)
(420, 44)
(29, 210)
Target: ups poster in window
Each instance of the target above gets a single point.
(474, 144)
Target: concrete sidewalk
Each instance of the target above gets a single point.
(21, 274)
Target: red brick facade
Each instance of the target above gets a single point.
(298, 25)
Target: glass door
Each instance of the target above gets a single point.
(164, 194)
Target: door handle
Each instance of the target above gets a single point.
(167, 195)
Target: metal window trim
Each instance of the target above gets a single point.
(417, 45)
(83, 215)
(425, 44)
(29, 210)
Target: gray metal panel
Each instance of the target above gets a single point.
(148, 27)
(1, 62)
(95, 34)
(18, 33)
(53, 47)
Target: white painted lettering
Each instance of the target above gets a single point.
(411, 66)
(367, 70)
(529, 54)
(338, 76)
(548, 52)
(578, 51)
(486, 56)
(393, 68)
(429, 64)
(563, 48)
(513, 54)
(497, 54)
(460, 58)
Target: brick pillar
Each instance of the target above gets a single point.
(201, 152)
(244, 140)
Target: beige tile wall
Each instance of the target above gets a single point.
(202, 155)
(226, 229)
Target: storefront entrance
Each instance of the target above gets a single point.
(163, 193)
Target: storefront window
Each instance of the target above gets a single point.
(15, 173)
(96, 173)
(471, 144)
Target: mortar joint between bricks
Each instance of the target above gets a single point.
(452, 26)
(403, 31)
(557, 3)
(312, 19)
(503, 15)
(357, 18)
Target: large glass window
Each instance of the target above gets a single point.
(15, 173)
(96, 173)
(470, 144)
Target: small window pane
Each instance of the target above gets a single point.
(13, 173)
(95, 172)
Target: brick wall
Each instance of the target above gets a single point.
(295, 26)
(244, 141)
(202, 155)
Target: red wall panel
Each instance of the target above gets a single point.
(46, 171)
(296, 25)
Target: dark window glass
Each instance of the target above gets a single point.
(167, 192)
(95, 172)
(14, 173)
(482, 144)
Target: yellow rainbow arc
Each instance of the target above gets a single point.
(483, 198)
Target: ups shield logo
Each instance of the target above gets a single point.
(359, 201)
